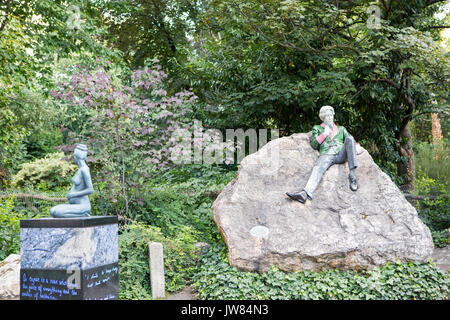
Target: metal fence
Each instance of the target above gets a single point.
(38, 203)
(33, 202)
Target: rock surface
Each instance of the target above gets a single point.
(63, 248)
(10, 278)
(338, 229)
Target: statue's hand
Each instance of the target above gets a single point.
(69, 195)
(327, 131)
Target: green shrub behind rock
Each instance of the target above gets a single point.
(175, 204)
(433, 160)
(434, 210)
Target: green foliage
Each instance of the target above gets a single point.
(145, 29)
(179, 259)
(11, 149)
(39, 116)
(434, 210)
(48, 22)
(216, 279)
(266, 63)
(45, 174)
(433, 160)
(440, 238)
(27, 127)
(33, 36)
(9, 228)
(178, 199)
(14, 74)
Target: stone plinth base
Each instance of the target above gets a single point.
(66, 259)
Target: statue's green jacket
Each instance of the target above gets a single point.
(331, 144)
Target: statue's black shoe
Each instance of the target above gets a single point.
(353, 183)
(300, 197)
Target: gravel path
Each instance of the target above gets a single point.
(441, 256)
(185, 294)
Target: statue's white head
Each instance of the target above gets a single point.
(80, 152)
(326, 114)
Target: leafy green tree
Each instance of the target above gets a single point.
(144, 29)
(34, 36)
(408, 62)
(14, 74)
(275, 63)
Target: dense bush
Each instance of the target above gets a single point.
(12, 210)
(216, 279)
(433, 160)
(9, 228)
(433, 169)
(172, 205)
(176, 198)
(47, 173)
(434, 210)
(179, 260)
(440, 238)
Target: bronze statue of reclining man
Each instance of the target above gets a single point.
(336, 146)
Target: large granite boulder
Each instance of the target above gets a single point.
(338, 229)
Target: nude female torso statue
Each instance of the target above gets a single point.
(79, 204)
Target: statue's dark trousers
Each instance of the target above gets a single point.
(347, 153)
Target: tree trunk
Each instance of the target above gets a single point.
(436, 131)
(407, 170)
(405, 145)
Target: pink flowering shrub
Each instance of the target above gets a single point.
(130, 131)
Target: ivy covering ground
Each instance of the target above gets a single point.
(216, 279)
